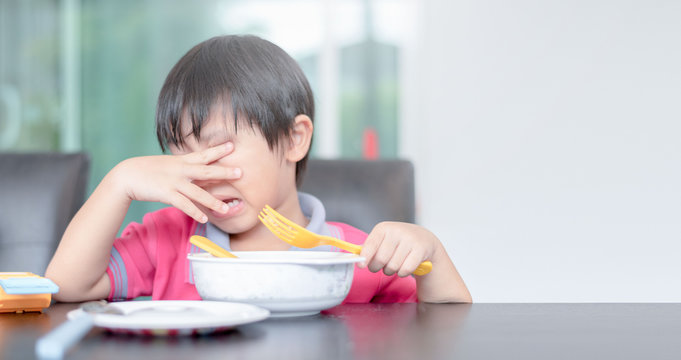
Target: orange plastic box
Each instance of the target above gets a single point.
(24, 291)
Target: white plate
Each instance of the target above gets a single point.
(170, 317)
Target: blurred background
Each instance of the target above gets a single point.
(544, 134)
(85, 75)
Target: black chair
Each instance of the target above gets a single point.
(39, 194)
(362, 193)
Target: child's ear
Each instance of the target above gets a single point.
(301, 137)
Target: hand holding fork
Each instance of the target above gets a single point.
(297, 235)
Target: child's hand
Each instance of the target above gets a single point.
(170, 179)
(398, 248)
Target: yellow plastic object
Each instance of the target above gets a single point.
(211, 247)
(299, 236)
(25, 292)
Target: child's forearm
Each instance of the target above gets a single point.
(443, 283)
(80, 262)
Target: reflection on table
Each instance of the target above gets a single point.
(392, 331)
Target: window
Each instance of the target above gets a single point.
(86, 74)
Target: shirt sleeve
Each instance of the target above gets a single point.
(132, 265)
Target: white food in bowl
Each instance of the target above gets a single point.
(287, 283)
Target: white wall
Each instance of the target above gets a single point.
(547, 142)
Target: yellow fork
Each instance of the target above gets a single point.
(211, 247)
(299, 236)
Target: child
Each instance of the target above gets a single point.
(236, 113)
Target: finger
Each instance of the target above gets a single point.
(413, 260)
(370, 246)
(383, 254)
(211, 154)
(397, 259)
(211, 172)
(196, 194)
(186, 206)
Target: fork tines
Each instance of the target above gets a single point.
(269, 218)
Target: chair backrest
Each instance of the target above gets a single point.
(362, 193)
(39, 194)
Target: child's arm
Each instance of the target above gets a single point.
(80, 262)
(399, 248)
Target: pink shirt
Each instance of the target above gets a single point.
(150, 259)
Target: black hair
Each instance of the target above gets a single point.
(264, 85)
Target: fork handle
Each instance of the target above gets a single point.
(349, 247)
(423, 268)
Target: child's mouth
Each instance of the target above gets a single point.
(235, 205)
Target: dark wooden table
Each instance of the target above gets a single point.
(393, 331)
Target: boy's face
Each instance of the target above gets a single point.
(268, 177)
